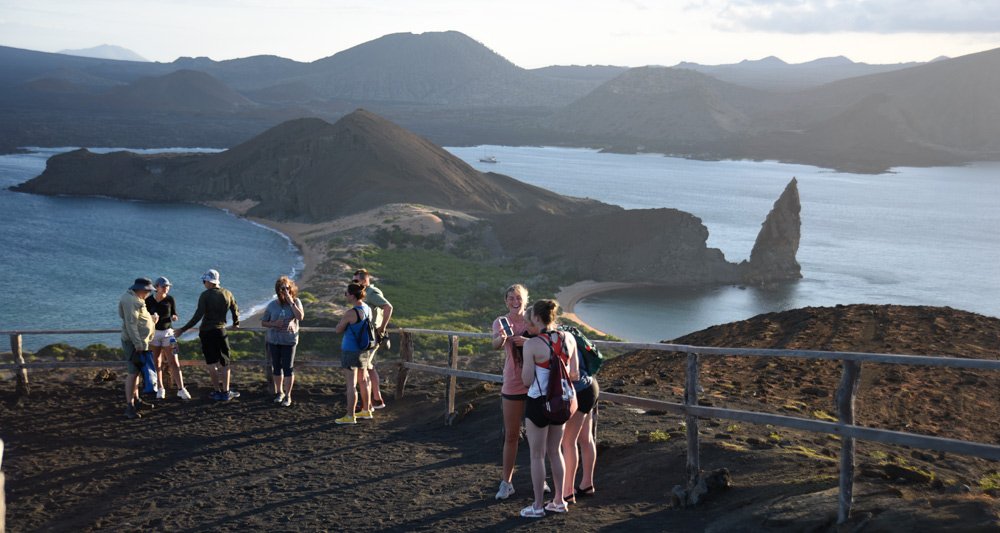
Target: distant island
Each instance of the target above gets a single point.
(455, 91)
(307, 173)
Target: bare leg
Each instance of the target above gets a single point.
(158, 352)
(537, 444)
(277, 380)
(376, 392)
(226, 374)
(570, 455)
(291, 381)
(131, 388)
(213, 374)
(351, 375)
(175, 369)
(553, 448)
(513, 414)
(365, 385)
(588, 452)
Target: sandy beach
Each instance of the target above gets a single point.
(569, 296)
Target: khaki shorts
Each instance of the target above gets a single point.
(354, 359)
(161, 337)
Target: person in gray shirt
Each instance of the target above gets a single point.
(281, 318)
(381, 313)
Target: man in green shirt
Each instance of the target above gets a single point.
(212, 306)
(137, 333)
(381, 313)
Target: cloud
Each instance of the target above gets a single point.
(864, 16)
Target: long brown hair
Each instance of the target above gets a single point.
(285, 281)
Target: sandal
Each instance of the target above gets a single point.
(589, 491)
(531, 512)
(555, 508)
(571, 499)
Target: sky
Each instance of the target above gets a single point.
(530, 33)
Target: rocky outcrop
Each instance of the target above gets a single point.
(308, 170)
(773, 255)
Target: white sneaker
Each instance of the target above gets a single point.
(280, 397)
(506, 490)
(161, 394)
(184, 394)
(545, 487)
(287, 402)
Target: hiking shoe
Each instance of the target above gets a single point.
(184, 394)
(161, 394)
(506, 490)
(131, 413)
(280, 397)
(531, 512)
(380, 404)
(364, 415)
(142, 404)
(346, 419)
(287, 402)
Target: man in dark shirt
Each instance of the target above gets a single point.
(213, 304)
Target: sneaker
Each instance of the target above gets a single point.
(546, 488)
(347, 419)
(215, 395)
(531, 512)
(365, 415)
(287, 402)
(161, 394)
(380, 404)
(231, 395)
(506, 490)
(184, 394)
(280, 397)
(131, 413)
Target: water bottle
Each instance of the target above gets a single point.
(173, 345)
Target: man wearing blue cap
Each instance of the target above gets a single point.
(137, 333)
(213, 304)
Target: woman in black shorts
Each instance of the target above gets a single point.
(544, 436)
(580, 431)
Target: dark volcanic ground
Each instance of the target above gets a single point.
(73, 463)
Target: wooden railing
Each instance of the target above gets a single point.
(846, 395)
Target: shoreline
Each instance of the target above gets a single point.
(572, 294)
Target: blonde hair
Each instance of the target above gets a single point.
(517, 287)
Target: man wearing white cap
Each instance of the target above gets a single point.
(213, 304)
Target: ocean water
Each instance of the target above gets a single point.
(915, 236)
(65, 261)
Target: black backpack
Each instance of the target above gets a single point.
(589, 354)
(560, 399)
(368, 328)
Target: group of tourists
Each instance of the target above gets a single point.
(529, 339)
(527, 335)
(148, 312)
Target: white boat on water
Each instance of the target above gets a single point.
(488, 159)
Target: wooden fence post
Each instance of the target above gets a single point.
(452, 380)
(22, 374)
(405, 356)
(846, 394)
(691, 398)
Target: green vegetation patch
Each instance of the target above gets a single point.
(434, 289)
(990, 481)
(658, 436)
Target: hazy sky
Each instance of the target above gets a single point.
(531, 33)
